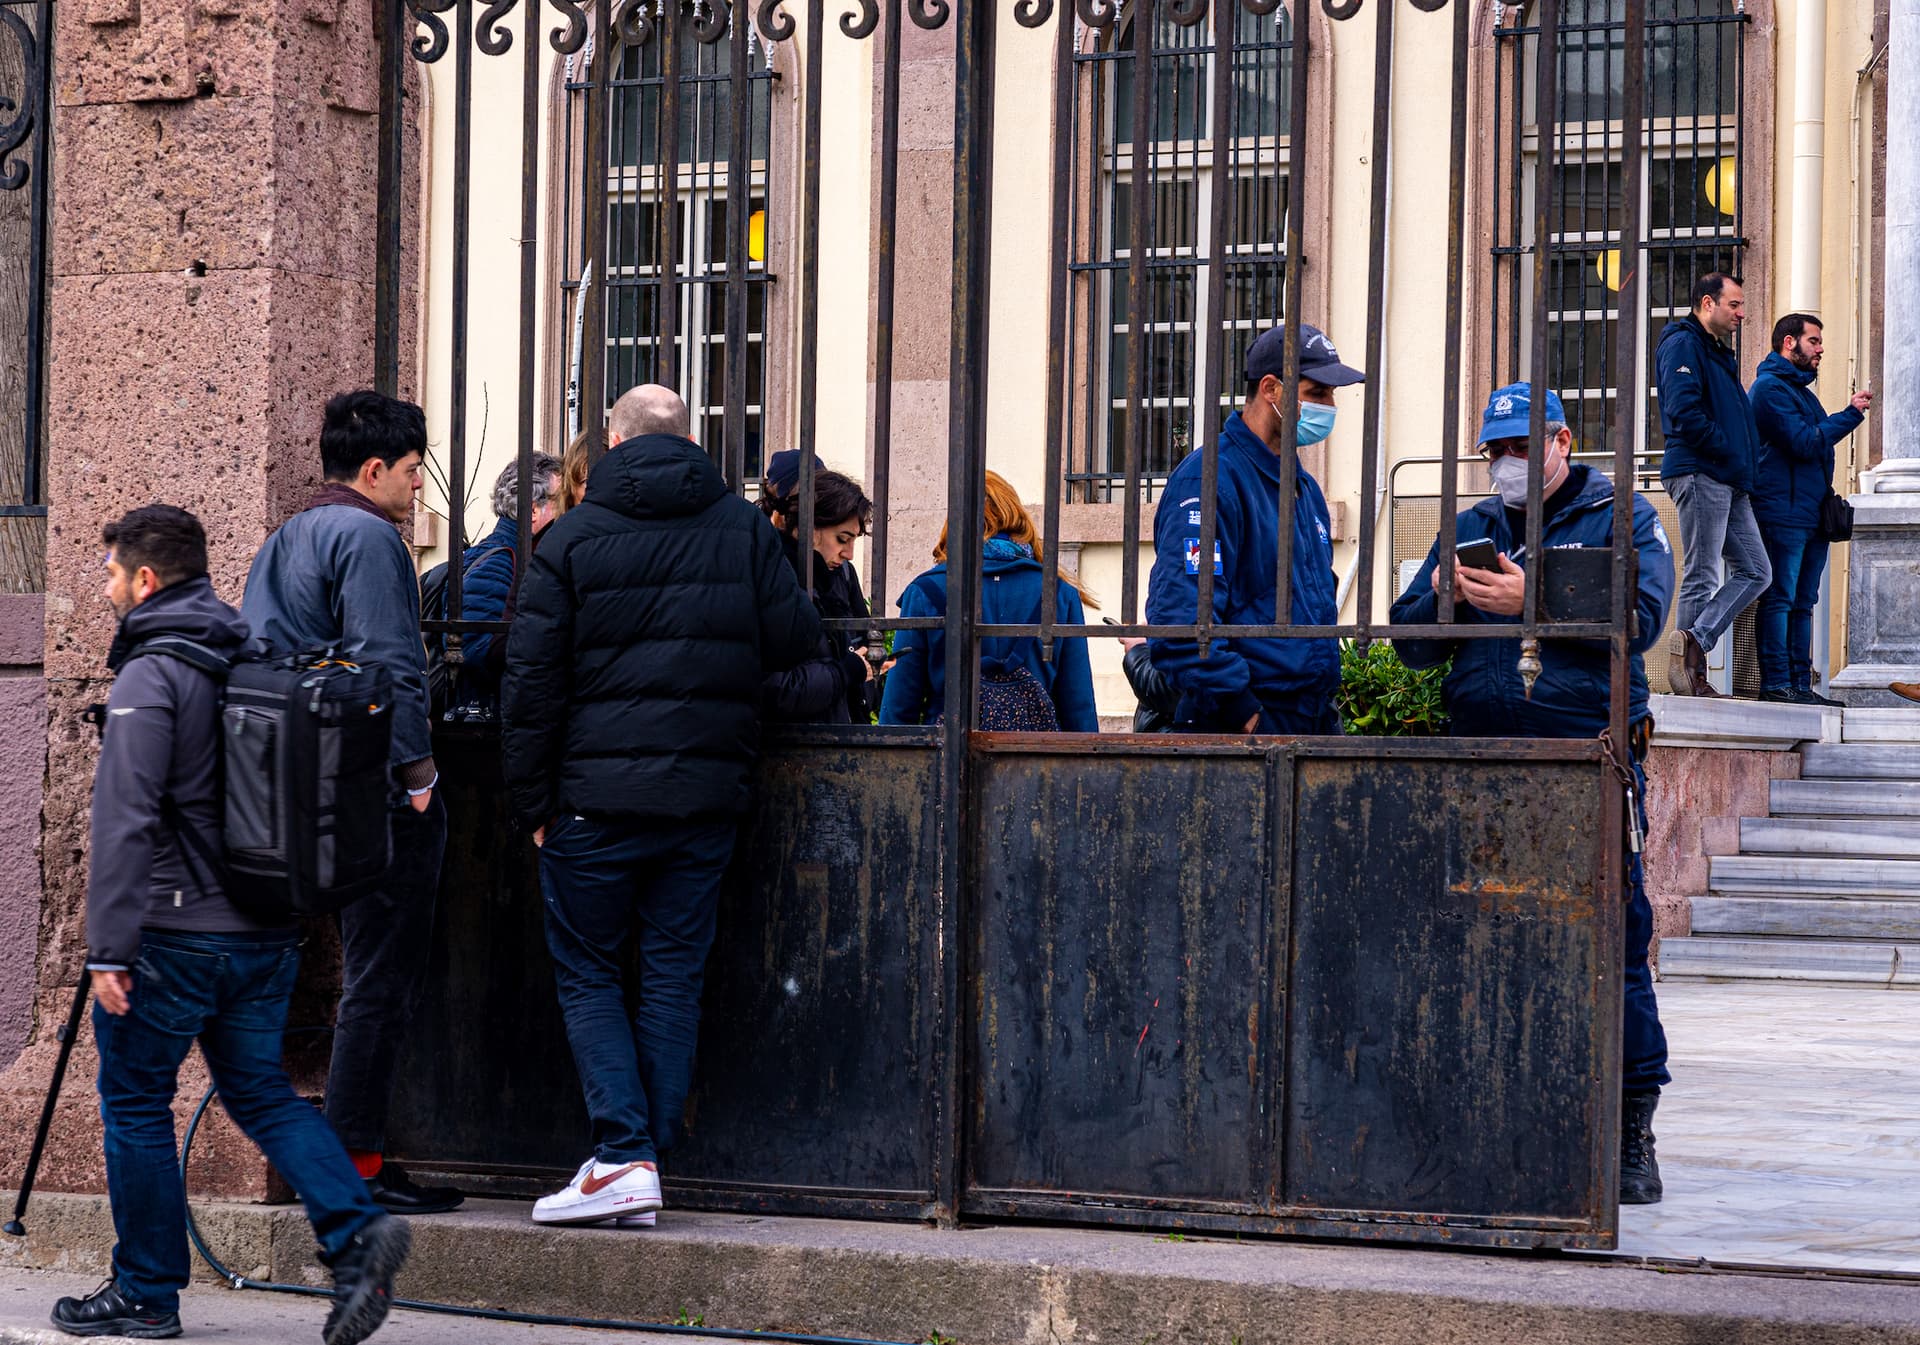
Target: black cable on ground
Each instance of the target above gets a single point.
(238, 1281)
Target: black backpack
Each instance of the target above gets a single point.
(303, 760)
(442, 678)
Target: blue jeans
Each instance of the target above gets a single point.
(230, 991)
(1716, 521)
(659, 884)
(1643, 1045)
(1785, 628)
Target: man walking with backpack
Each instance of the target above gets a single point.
(337, 576)
(646, 622)
(174, 959)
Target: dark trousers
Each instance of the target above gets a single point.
(1785, 626)
(1303, 715)
(384, 940)
(229, 991)
(658, 884)
(1643, 1053)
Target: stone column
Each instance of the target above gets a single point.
(212, 284)
(1883, 599)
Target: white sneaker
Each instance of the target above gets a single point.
(646, 1220)
(599, 1191)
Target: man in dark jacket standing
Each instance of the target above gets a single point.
(1712, 447)
(646, 624)
(338, 576)
(1254, 686)
(175, 960)
(1797, 439)
(1485, 696)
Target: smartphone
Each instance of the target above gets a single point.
(1480, 554)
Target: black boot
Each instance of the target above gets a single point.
(1639, 1169)
(396, 1193)
(363, 1280)
(107, 1311)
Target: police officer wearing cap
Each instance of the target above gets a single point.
(1254, 686)
(1486, 698)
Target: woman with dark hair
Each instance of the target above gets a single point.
(833, 687)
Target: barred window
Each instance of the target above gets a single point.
(1689, 194)
(1177, 168)
(637, 188)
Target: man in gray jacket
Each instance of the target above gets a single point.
(174, 959)
(338, 576)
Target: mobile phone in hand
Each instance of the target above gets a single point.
(1479, 554)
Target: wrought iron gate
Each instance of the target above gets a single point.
(1341, 986)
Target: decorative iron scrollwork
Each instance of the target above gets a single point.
(14, 133)
(1095, 14)
(491, 37)
(431, 45)
(570, 39)
(928, 14)
(1032, 13)
(1186, 13)
(1430, 6)
(715, 23)
(632, 23)
(862, 25)
(776, 25)
(1260, 7)
(1342, 9)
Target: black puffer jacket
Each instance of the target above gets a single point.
(645, 625)
(831, 686)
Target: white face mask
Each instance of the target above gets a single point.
(1510, 476)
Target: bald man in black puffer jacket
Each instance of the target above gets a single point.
(646, 623)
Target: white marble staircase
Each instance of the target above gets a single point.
(1826, 887)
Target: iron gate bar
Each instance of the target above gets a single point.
(592, 393)
(462, 259)
(1213, 379)
(1380, 192)
(39, 97)
(1456, 269)
(667, 214)
(1290, 359)
(529, 268)
(886, 243)
(734, 425)
(1545, 117)
(1557, 630)
(1060, 258)
(1627, 370)
(810, 286)
(391, 134)
(1140, 242)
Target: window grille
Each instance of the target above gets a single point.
(1176, 168)
(1689, 188)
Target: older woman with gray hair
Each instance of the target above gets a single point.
(489, 577)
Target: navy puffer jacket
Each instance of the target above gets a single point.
(1704, 412)
(1797, 439)
(1484, 694)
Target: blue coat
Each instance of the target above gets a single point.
(1485, 697)
(1239, 678)
(1797, 438)
(486, 583)
(1704, 413)
(1010, 595)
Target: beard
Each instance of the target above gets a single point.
(1799, 359)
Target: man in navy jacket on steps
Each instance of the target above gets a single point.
(1254, 686)
(1485, 696)
(1797, 439)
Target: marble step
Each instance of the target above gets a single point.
(1877, 963)
(1860, 761)
(1843, 838)
(1798, 917)
(1798, 876)
(1844, 798)
(1881, 725)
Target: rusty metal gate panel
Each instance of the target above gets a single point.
(818, 1059)
(1453, 1037)
(1355, 988)
(1120, 964)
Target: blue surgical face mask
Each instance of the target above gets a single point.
(1316, 422)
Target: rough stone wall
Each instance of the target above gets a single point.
(212, 285)
(23, 761)
(1696, 797)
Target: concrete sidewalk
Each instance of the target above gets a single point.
(1028, 1285)
(210, 1313)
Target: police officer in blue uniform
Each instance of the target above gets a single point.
(1486, 698)
(1254, 686)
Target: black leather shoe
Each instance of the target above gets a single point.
(393, 1191)
(1784, 695)
(1808, 696)
(107, 1311)
(363, 1274)
(1639, 1169)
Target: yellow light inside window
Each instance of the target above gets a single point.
(1721, 186)
(757, 236)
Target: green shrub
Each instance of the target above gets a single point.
(1381, 696)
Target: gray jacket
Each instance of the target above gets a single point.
(161, 740)
(337, 576)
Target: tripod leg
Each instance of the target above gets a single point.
(14, 1227)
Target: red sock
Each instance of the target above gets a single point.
(367, 1162)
